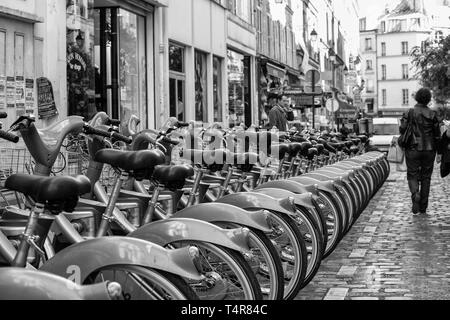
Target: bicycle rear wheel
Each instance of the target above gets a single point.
(227, 274)
(140, 283)
(290, 243)
(265, 262)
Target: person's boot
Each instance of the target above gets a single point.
(416, 203)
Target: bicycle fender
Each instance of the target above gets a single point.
(321, 176)
(80, 260)
(303, 200)
(172, 230)
(327, 186)
(221, 212)
(253, 200)
(289, 185)
(347, 174)
(24, 284)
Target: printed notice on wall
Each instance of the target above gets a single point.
(2, 92)
(10, 92)
(29, 95)
(20, 96)
(45, 98)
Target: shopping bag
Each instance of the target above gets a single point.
(396, 154)
(401, 167)
(408, 138)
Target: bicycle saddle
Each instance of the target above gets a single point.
(312, 153)
(172, 177)
(348, 144)
(337, 146)
(354, 149)
(245, 161)
(363, 138)
(57, 193)
(305, 147)
(206, 157)
(280, 151)
(141, 163)
(298, 139)
(320, 148)
(294, 149)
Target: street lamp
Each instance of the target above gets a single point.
(314, 35)
(313, 40)
(333, 59)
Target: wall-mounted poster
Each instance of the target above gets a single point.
(20, 94)
(45, 98)
(10, 92)
(29, 94)
(2, 92)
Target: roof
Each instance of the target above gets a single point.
(406, 7)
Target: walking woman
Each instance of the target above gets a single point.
(420, 157)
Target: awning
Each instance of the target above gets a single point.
(275, 71)
(293, 71)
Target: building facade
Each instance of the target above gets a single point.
(369, 69)
(386, 50)
(157, 58)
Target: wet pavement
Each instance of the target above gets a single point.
(390, 254)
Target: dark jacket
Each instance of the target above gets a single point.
(445, 164)
(426, 129)
(278, 118)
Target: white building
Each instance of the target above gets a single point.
(386, 48)
(400, 30)
(369, 70)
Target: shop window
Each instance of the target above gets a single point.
(201, 93)
(217, 89)
(177, 82)
(80, 62)
(176, 58)
(405, 97)
(132, 66)
(19, 51)
(118, 72)
(2, 53)
(238, 89)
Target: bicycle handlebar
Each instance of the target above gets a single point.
(121, 137)
(113, 122)
(170, 141)
(9, 136)
(102, 133)
(182, 124)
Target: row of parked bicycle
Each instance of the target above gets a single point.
(192, 213)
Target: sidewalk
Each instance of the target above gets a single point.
(391, 254)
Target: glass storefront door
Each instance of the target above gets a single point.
(117, 75)
(239, 97)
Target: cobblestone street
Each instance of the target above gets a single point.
(391, 254)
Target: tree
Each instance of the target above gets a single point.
(432, 62)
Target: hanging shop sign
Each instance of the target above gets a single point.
(46, 99)
(275, 71)
(76, 62)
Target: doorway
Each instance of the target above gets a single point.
(120, 63)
